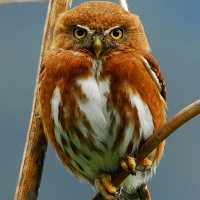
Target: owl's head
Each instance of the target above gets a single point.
(99, 28)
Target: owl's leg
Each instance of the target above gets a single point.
(107, 189)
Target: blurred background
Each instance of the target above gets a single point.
(173, 31)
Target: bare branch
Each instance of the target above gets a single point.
(36, 143)
(161, 134)
(123, 4)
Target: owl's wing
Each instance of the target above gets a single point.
(153, 69)
(141, 193)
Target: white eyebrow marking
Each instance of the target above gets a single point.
(86, 28)
(110, 29)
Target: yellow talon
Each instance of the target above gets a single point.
(129, 165)
(146, 163)
(107, 189)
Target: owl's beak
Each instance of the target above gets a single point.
(97, 44)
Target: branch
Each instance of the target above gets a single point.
(36, 143)
(123, 4)
(159, 135)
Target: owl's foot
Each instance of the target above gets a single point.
(107, 189)
(129, 165)
(146, 163)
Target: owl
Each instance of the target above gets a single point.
(102, 95)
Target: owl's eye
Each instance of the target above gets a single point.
(117, 34)
(79, 33)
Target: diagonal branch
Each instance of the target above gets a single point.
(159, 135)
(36, 143)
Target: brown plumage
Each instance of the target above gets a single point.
(99, 103)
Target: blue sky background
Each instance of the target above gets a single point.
(173, 31)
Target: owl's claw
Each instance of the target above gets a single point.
(109, 191)
(119, 190)
(143, 169)
(129, 165)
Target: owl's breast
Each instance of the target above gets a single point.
(97, 127)
(82, 120)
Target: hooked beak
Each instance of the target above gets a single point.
(98, 44)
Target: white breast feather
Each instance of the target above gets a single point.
(146, 120)
(93, 108)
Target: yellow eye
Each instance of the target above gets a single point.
(116, 34)
(79, 33)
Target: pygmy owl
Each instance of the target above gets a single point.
(102, 95)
